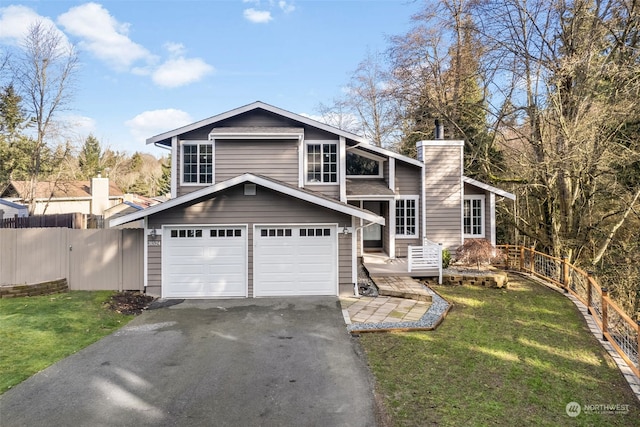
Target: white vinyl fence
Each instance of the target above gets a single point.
(88, 259)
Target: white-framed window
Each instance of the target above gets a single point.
(322, 163)
(197, 162)
(473, 220)
(360, 165)
(407, 217)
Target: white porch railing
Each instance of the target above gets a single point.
(427, 257)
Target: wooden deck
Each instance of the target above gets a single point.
(379, 265)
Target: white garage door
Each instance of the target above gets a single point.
(295, 260)
(204, 262)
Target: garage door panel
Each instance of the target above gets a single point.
(205, 262)
(304, 262)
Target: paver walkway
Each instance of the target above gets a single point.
(383, 309)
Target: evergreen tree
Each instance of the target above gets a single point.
(90, 158)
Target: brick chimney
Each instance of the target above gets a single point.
(99, 195)
(443, 188)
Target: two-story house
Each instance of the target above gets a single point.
(266, 202)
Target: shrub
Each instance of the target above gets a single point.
(446, 258)
(475, 251)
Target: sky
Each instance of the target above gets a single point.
(147, 67)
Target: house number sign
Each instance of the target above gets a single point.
(154, 242)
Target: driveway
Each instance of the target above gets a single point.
(249, 362)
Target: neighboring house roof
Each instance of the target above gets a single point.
(262, 181)
(368, 187)
(59, 189)
(488, 187)
(13, 205)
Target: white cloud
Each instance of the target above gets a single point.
(286, 7)
(154, 122)
(15, 22)
(174, 48)
(180, 71)
(103, 35)
(257, 16)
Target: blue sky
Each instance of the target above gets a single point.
(151, 66)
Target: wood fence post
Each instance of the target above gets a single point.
(521, 258)
(532, 259)
(605, 297)
(589, 290)
(565, 273)
(506, 256)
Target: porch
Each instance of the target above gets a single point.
(378, 264)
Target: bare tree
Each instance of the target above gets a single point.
(44, 71)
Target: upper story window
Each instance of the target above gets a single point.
(363, 166)
(197, 163)
(407, 217)
(322, 163)
(473, 222)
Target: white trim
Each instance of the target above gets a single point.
(174, 167)
(301, 163)
(371, 197)
(391, 229)
(264, 182)
(145, 257)
(417, 217)
(423, 205)
(198, 143)
(354, 256)
(321, 142)
(342, 169)
(256, 135)
(488, 187)
(163, 244)
(492, 217)
(482, 199)
(392, 174)
(440, 143)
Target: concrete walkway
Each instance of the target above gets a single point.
(404, 304)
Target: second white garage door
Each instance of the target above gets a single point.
(295, 260)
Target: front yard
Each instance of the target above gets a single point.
(501, 357)
(36, 332)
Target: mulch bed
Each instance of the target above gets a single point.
(128, 302)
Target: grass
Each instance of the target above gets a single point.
(36, 332)
(501, 357)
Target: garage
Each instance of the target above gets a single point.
(204, 261)
(295, 260)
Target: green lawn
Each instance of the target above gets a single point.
(501, 357)
(35, 332)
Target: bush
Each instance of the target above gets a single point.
(475, 251)
(446, 258)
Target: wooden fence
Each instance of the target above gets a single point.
(67, 220)
(617, 327)
(89, 259)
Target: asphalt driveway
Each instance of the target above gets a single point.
(249, 362)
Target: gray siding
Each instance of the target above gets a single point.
(443, 189)
(266, 207)
(407, 179)
(154, 270)
(277, 159)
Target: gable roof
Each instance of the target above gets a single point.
(488, 187)
(165, 138)
(13, 205)
(272, 184)
(59, 189)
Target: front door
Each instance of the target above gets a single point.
(372, 234)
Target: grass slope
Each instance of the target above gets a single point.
(36, 332)
(514, 357)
